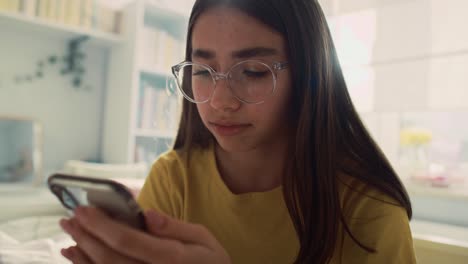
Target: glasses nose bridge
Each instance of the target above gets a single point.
(221, 76)
(218, 76)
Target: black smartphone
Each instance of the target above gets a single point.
(110, 196)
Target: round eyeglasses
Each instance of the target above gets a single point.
(250, 81)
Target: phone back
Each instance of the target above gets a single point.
(112, 197)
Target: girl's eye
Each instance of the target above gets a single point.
(255, 74)
(201, 73)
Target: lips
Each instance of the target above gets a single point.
(228, 128)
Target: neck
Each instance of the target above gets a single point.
(256, 170)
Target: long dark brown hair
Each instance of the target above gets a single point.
(330, 137)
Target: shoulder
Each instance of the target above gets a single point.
(358, 197)
(368, 211)
(167, 182)
(176, 163)
(168, 160)
(376, 220)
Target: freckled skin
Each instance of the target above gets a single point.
(224, 30)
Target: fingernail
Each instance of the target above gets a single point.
(67, 252)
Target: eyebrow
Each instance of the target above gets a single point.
(240, 54)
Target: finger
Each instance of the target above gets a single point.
(127, 240)
(167, 227)
(75, 255)
(90, 247)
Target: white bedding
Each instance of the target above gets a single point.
(29, 229)
(24, 201)
(36, 239)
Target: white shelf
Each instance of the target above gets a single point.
(155, 133)
(155, 71)
(18, 21)
(170, 15)
(440, 236)
(169, 10)
(458, 191)
(128, 76)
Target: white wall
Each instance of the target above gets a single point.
(71, 118)
(402, 56)
(4, 159)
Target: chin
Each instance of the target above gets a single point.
(234, 144)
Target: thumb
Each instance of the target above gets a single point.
(166, 227)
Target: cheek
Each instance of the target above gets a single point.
(269, 112)
(276, 110)
(203, 111)
(284, 96)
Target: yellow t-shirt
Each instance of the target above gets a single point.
(256, 227)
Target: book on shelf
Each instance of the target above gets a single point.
(146, 154)
(13, 6)
(107, 19)
(151, 39)
(87, 13)
(72, 12)
(61, 11)
(90, 14)
(41, 8)
(157, 109)
(148, 39)
(180, 55)
(169, 49)
(147, 106)
(139, 153)
(52, 9)
(28, 7)
(159, 49)
(172, 114)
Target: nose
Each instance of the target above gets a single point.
(222, 98)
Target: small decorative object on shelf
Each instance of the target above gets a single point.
(72, 62)
(414, 143)
(433, 148)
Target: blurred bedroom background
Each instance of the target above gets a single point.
(84, 89)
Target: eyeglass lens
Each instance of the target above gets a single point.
(249, 81)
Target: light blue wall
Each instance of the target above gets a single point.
(71, 118)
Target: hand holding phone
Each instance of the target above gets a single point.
(98, 241)
(110, 196)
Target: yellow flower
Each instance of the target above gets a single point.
(415, 136)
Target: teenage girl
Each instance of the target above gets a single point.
(271, 163)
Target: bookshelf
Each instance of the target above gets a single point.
(154, 71)
(154, 133)
(29, 19)
(20, 22)
(142, 112)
